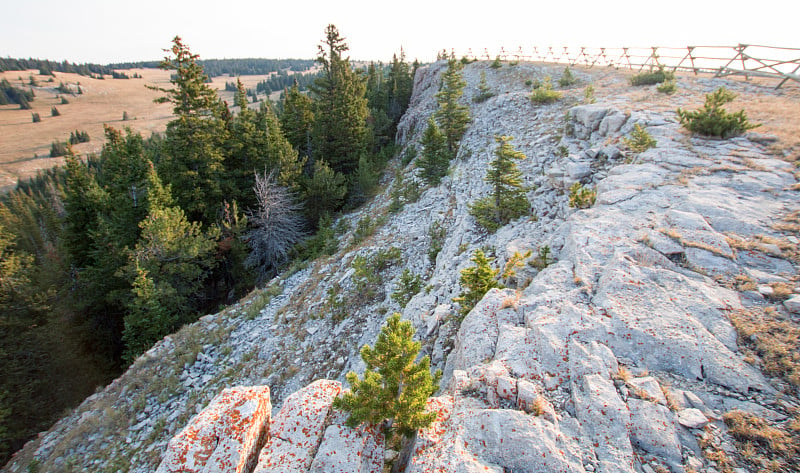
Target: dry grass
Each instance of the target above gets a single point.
(676, 235)
(764, 446)
(25, 146)
(774, 339)
(713, 452)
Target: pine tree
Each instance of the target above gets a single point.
(508, 200)
(323, 192)
(435, 159)
(395, 389)
(297, 119)
(452, 116)
(193, 149)
(476, 281)
(340, 134)
(168, 267)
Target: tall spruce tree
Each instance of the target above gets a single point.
(297, 119)
(340, 134)
(193, 147)
(394, 391)
(453, 117)
(323, 192)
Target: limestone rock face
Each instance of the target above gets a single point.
(297, 428)
(225, 437)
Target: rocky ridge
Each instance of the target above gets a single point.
(618, 356)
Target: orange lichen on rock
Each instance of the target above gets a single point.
(225, 436)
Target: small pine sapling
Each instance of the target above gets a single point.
(713, 120)
(476, 282)
(581, 197)
(395, 389)
(640, 140)
(567, 79)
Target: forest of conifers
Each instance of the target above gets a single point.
(107, 255)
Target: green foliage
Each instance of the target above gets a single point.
(324, 242)
(368, 275)
(542, 259)
(567, 79)
(640, 140)
(395, 388)
(516, 261)
(168, 265)
(476, 282)
(64, 100)
(545, 93)
(496, 64)
(408, 286)
(340, 134)
(403, 193)
(54, 111)
(437, 233)
(668, 87)
(59, 148)
(436, 157)
(588, 94)
(125, 116)
(581, 197)
(652, 77)
(409, 155)
(297, 119)
(508, 200)
(484, 91)
(36, 118)
(713, 120)
(10, 94)
(452, 116)
(323, 192)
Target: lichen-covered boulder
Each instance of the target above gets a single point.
(225, 436)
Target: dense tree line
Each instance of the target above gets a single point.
(10, 94)
(283, 79)
(232, 67)
(122, 248)
(47, 67)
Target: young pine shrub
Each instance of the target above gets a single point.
(581, 197)
(652, 77)
(58, 148)
(437, 233)
(476, 282)
(496, 64)
(54, 111)
(408, 286)
(567, 79)
(36, 117)
(640, 140)
(545, 93)
(588, 94)
(667, 87)
(394, 391)
(484, 91)
(713, 120)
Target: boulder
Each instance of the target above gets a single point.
(225, 437)
(297, 429)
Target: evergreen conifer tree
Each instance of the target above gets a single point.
(508, 200)
(435, 159)
(340, 134)
(323, 192)
(395, 389)
(452, 116)
(297, 119)
(476, 281)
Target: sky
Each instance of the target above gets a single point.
(106, 31)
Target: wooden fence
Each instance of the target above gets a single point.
(747, 60)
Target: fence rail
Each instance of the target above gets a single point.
(744, 59)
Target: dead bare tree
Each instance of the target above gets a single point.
(275, 225)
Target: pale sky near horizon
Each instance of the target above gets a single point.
(105, 31)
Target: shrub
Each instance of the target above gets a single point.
(409, 155)
(395, 389)
(668, 87)
(484, 91)
(77, 136)
(588, 94)
(368, 271)
(125, 116)
(713, 120)
(324, 242)
(640, 140)
(567, 79)
(58, 148)
(545, 93)
(496, 64)
(516, 261)
(581, 197)
(542, 259)
(652, 77)
(54, 112)
(476, 282)
(64, 100)
(437, 233)
(36, 118)
(408, 286)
